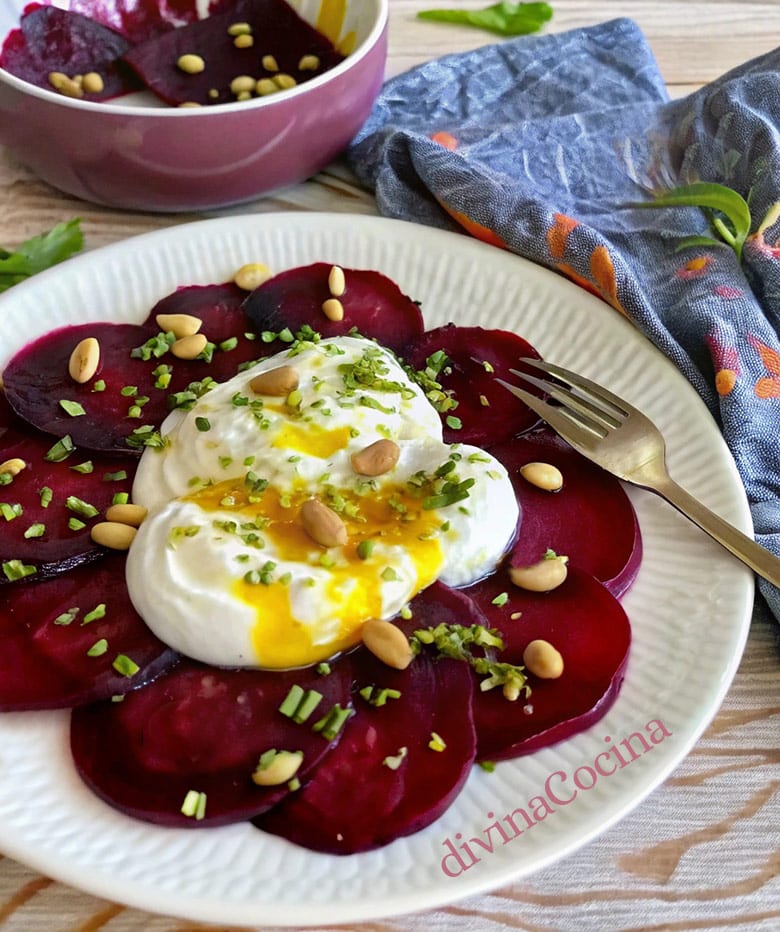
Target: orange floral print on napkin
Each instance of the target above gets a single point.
(725, 359)
(768, 387)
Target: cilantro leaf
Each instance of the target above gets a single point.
(505, 19)
(39, 253)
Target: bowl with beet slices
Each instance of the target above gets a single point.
(120, 104)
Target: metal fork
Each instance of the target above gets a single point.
(626, 443)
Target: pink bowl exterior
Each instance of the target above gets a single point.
(145, 162)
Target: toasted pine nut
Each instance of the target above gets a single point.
(251, 276)
(243, 82)
(543, 476)
(543, 576)
(113, 535)
(13, 466)
(543, 660)
(65, 85)
(180, 325)
(189, 347)
(269, 63)
(284, 81)
(264, 87)
(308, 63)
(244, 41)
(239, 29)
(376, 459)
(282, 767)
(126, 514)
(278, 382)
(337, 284)
(322, 524)
(84, 360)
(191, 64)
(333, 309)
(387, 643)
(92, 82)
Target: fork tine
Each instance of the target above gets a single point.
(561, 420)
(588, 412)
(575, 380)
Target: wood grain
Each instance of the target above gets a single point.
(703, 851)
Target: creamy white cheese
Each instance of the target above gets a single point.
(222, 569)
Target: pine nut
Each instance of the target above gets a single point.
(337, 284)
(65, 85)
(269, 63)
(278, 382)
(387, 643)
(543, 576)
(191, 64)
(242, 83)
(244, 41)
(264, 87)
(180, 325)
(333, 309)
(251, 276)
(376, 459)
(282, 767)
(84, 360)
(322, 524)
(113, 535)
(239, 29)
(129, 514)
(309, 63)
(92, 83)
(284, 81)
(543, 660)
(189, 347)
(543, 475)
(12, 467)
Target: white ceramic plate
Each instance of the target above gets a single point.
(690, 606)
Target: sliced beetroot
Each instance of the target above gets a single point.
(373, 305)
(202, 729)
(132, 360)
(486, 412)
(64, 640)
(48, 508)
(439, 604)
(591, 519)
(277, 30)
(358, 799)
(53, 40)
(589, 628)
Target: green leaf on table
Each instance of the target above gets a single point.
(506, 19)
(39, 253)
(727, 210)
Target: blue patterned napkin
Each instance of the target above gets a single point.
(537, 144)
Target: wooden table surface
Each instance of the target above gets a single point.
(703, 851)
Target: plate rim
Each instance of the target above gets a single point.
(245, 913)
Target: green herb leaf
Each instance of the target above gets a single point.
(505, 19)
(39, 253)
(728, 211)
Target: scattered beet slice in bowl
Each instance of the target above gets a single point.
(276, 29)
(466, 362)
(373, 305)
(590, 519)
(75, 639)
(587, 625)
(53, 40)
(201, 730)
(48, 507)
(401, 761)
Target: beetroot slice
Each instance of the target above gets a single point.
(591, 519)
(476, 358)
(50, 39)
(199, 728)
(583, 621)
(276, 28)
(355, 801)
(46, 538)
(47, 636)
(373, 305)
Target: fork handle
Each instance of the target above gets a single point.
(744, 548)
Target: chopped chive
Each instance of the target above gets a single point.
(35, 530)
(99, 386)
(331, 724)
(65, 618)
(487, 765)
(291, 700)
(61, 450)
(75, 524)
(121, 498)
(323, 668)
(394, 761)
(436, 743)
(98, 648)
(306, 706)
(84, 468)
(72, 408)
(454, 423)
(501, 599)
(390, 575)
(80, 507)
(230, 344)
(117, 476)
(124, 665)
(15, 569)
(203, 424)
(365, 549)
(129, 391)
(99, 611)
(194, 805)
(9, 512)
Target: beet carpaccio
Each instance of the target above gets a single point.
(277, 535)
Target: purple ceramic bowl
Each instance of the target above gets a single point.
(134, 153)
